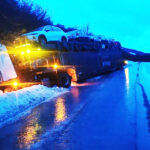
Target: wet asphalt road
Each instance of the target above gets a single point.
(100, 114)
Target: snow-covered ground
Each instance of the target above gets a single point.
(145, 77)
(143, 107)
(18, 103)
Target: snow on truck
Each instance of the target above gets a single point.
(60, 63)
(8, 76)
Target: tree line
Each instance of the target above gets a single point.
(16, 18)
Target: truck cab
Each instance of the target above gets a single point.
(8, 76)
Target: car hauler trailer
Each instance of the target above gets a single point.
(59, 63)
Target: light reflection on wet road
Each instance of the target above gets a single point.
(60, 112)
(109, 106)
(127, 76)
(28, 130)
(29, 133)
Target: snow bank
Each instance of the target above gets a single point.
(15, 104)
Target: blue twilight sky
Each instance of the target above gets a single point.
(127, 21)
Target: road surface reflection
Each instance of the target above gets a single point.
(75, 93)
(47, 116)
(60, 112)
(127, 77)
(29, 133)
(51, 115)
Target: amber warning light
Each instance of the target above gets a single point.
(15, 84)
(55, 66)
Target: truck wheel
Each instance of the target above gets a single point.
(7, 90)
(42, 41)
(64, 80)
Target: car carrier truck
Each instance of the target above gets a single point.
(59, 63)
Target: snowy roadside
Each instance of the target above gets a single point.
(143, 107)
(16, 104)
(144, 76)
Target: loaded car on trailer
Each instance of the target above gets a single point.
(46, 34)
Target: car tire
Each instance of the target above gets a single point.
(42, 41)
(64, 80)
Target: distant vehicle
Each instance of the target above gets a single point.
(47, 34)
(74, 34)
(82, 35)
(99, 38)
(77, 33)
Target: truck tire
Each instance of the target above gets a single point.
(7, 90)
(64, 80)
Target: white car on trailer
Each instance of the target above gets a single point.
(47, 34)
